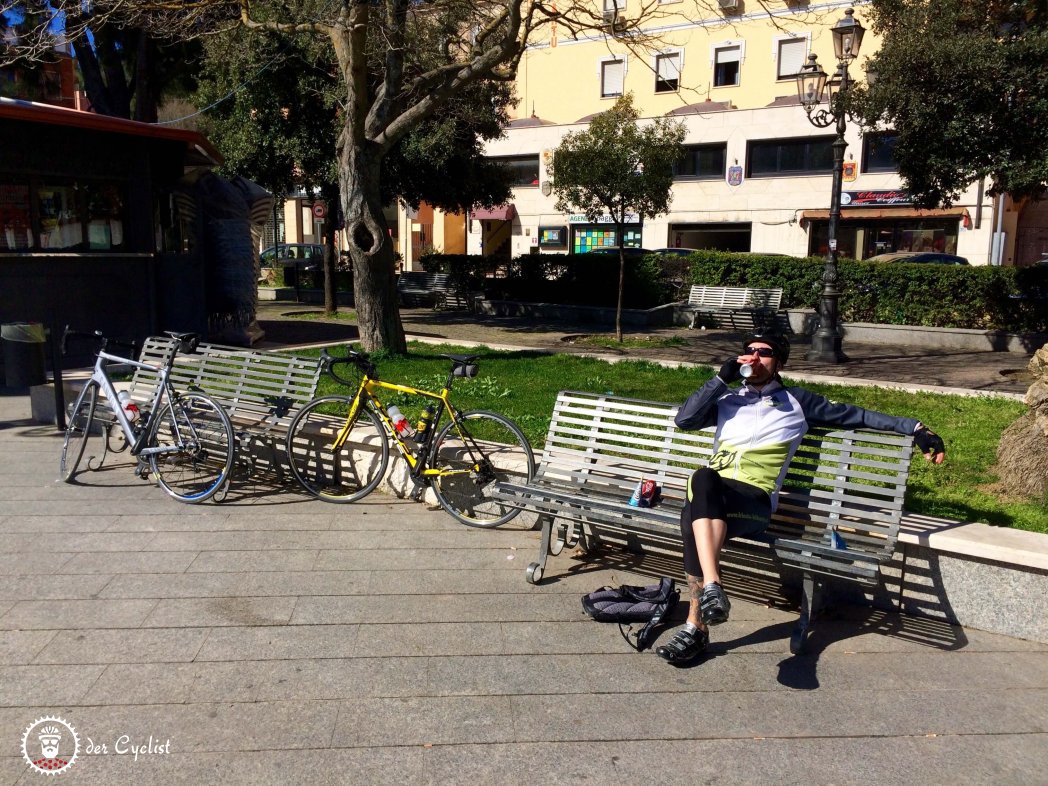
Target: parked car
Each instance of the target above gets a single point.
(910, 257)
(680, 252)
(286, 254)
(630, 252)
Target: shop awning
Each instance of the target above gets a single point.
(497, 213)
(863, 213)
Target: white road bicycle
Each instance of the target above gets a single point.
(184, 439)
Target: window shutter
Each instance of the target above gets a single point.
(791, 56)
(668, 67)
(729, 54)
(611, 78)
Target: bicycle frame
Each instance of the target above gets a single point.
(136, 441)
(366, 392)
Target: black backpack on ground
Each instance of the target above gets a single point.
(628, 604)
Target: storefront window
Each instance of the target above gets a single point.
(871, 237)
(105, 217)
(172, 228)
(590, 238)
(61, 227)
(16, 232)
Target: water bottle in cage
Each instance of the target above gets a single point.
(400, 423)
(130, 407)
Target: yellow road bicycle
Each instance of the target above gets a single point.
(338, 446)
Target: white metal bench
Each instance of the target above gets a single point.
(261, 391)
(749, 308)
(437, 289)
(851, 483)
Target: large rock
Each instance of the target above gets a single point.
(1022, 454)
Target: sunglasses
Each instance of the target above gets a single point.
(764, 352)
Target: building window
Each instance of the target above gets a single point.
(667, 72)
(726, 60)
(878, 152)
(612, 73)
(809, 156)
(701, 162)
(611, 6)
(524, 170)
(790, 57)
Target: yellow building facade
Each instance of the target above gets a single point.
(756, 177)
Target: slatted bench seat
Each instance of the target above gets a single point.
(738, 308)
(436, 289)
(598, 447)
(260, 391)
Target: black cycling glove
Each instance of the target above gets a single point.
(730, 371)
(928, 441)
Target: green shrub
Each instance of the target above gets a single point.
(983, 298)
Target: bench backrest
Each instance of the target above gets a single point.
(849, 479)
(735, 297)
(245, 382)
(416, 279)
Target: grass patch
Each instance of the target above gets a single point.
(321, 316)
(524, 385)
(630, 342)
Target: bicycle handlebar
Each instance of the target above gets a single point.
(358, 359)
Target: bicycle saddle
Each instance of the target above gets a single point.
(461, 358)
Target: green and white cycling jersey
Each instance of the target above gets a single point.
(758, 431)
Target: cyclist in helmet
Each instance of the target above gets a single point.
(759, 426)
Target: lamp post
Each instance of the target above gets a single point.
(812, 86)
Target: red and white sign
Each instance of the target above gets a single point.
(319, 209)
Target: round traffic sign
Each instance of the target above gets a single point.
(319, 210)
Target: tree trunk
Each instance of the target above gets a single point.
(330, 195)
(370, 247)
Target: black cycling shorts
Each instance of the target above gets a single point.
(745, 508)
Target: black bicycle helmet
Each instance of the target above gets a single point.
(777, 341)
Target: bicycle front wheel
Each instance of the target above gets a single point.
(348, 473)
(483, 449)
(200, 430)
(78, 429)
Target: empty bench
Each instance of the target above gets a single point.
(841, 484)
(260, 391)
(748, 308)
(436, 289)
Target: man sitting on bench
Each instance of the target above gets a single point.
(759, 427)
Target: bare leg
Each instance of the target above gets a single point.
(709, 539)
(710, 535)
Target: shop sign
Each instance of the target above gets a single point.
(875, 198)
(735, 176)
(580, 218)
(850, 170)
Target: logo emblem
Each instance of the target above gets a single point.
(722, 459)
(50, 745)
(735, 176)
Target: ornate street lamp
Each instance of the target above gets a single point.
(812, 88)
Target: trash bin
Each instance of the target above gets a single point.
(23, 354)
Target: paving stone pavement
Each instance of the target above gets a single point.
(276, 639)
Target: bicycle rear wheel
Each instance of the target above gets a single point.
(78, 430)
(352, 471)
(488, 449)
(201, 431)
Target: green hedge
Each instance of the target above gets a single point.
(984, 298)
